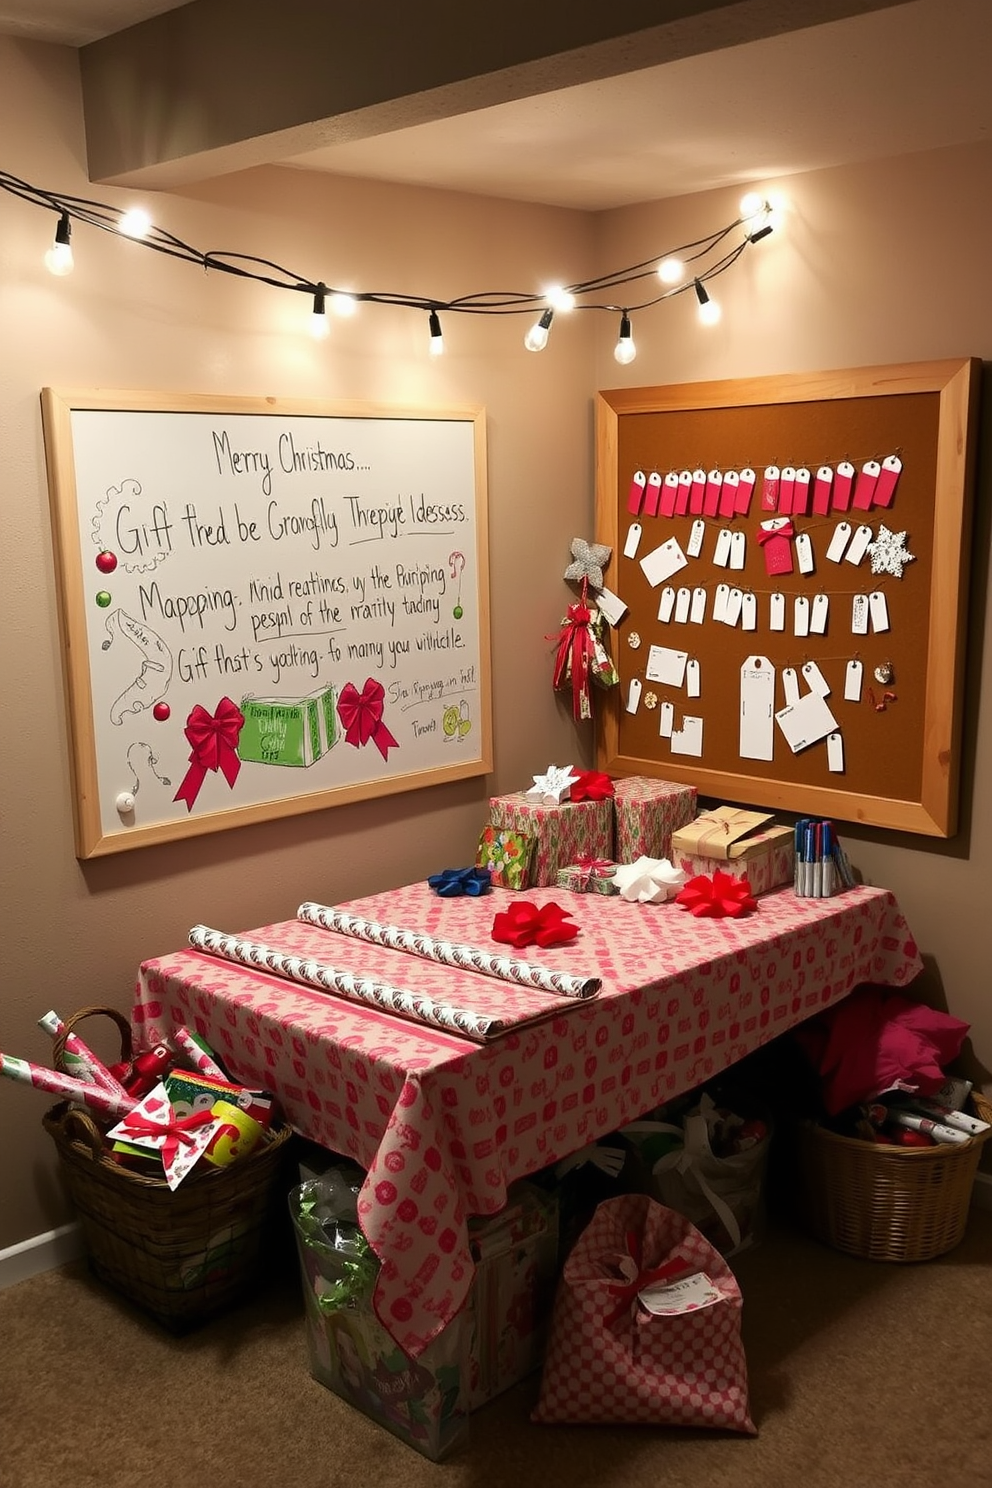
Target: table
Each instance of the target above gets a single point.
(443, 1125)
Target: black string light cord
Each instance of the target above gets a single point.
(704, 259)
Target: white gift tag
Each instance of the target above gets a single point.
(720, 602)
(879, 611)
(853, 677)
(688, 1294)
(819, 614)
(749, 611)
(689, 738)
(611, 606)
(839, 542)
(721, 556)
(682, 601)
(666, 665)
(695, 544)
(662, 562)
(859, 615)
(776, 612)
(804, 553)
(757, 709)
(667, 604)
(738, 550)
(815, 680)
(859, 545)
(735, 600)
(693, 680)
(697, 613)
(800, 616)
(790, 686)
(633, 695)
(666, 720)
(835, 754)
(806, 722)
(633, 538)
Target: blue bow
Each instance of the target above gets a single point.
(454, 882)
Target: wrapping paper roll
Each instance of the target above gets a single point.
(416, 1006)
(449, 953)
(97, 1097)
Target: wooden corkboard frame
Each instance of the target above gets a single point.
(901, 766)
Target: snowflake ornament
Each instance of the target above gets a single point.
(554, 785)
(589, 560)
(889, 553)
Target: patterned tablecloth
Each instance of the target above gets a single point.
(444, 1125)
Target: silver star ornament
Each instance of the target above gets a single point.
(889, 553)
(589, 560)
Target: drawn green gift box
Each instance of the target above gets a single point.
(288, 731)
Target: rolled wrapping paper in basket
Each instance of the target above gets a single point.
(97, 1098)
(449, 953)
(416, 1006)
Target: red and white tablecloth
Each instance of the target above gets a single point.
(444, 1125)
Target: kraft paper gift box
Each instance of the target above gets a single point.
(288, 731)
(737, 842)
(647, 813)
(564, 832)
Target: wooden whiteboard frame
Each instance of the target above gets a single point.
(955, 384)
(58, 406)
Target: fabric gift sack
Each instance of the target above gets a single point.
(612, 1360)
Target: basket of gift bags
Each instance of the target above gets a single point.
(174, 1170)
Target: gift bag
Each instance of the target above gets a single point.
(646, 1326)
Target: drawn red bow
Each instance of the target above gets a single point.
(523, 923)
(627, 1291)
(176, 1129)
(214, 741)
(361, 715)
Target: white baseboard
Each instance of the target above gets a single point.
(981, 1195)
(40, 1253)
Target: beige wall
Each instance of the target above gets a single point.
(879, 264)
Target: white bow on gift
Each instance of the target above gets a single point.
(648, 880)
(554, 785)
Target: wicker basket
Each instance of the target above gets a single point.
(887, 1203)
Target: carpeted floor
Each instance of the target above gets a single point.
(861, 1374)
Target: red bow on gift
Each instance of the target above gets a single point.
(591, 785)
(627, 1291)
(523, 923)
(214, 741)
(176, 1129)
(361, 715)
(574, 657)
(717, 896)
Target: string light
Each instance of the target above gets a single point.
(437, 340)
(58, 259)
(625, 351)
(679, 269)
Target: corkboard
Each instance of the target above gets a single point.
(900, 761)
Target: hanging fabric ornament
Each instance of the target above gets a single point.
(581, 657)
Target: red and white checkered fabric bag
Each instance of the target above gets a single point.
(610, 1360)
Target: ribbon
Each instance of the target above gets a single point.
(574, 657)
(627, 1291)
(717, 895)
(591, 868)
(592, 785)
(524, 923)
(213, 739)
(452, 883)
(765, 534)
(361, 716)
(177, 1129)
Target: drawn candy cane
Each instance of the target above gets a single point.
(456, 562)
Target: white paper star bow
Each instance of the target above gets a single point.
(889, 553)
(589, 560)
(648, 880)
(554, 785)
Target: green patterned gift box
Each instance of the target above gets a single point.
(588, 876)
(564, 833)
(647, 813)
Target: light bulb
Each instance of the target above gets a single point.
(559, 298)
(437, 340)
(343, 304)
(671, 271)
(58, 259)
(135, 223)
(709, 310)
(751, 204)
(625, 351)
(536, 338)
(320, 327)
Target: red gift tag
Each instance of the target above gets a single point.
(636, 493)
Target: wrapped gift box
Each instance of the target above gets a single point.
(590, 876)
(739, 843)
(564, 832)
(647, 813)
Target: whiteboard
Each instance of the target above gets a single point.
(266, 607)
